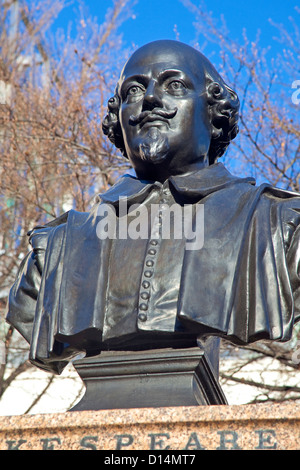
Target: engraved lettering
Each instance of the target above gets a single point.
(11, 445)
(193, 442)
(48, 442)
(86, 444)
(156, 441)
(123, 440)
(228, 437)
(266, 439)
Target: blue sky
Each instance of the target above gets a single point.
(155, 19)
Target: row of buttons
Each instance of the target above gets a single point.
(150, 262)
(148, 273)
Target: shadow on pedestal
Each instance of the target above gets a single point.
(156, 378)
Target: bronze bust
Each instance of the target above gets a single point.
(79, 289)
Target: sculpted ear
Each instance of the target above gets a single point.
(111, 124)
(223, 105)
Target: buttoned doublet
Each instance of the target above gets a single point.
(143, 286)
(75, 291)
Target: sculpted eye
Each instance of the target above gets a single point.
(176, 87)
(134, 90)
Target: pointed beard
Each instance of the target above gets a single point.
(155, 147)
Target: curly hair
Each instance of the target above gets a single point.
(223, 107)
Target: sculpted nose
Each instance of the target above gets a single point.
(152, 97)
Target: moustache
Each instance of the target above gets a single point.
(156, 112)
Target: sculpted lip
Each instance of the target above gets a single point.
(155, 114)
(152, 118)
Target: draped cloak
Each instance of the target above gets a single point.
(243, 284)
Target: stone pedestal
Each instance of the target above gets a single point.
(183, 429)
(157, 378)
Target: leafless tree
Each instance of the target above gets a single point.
(268, 148)
(53, 94)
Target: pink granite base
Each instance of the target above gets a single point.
(274, 426)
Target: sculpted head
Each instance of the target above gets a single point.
(171, 111)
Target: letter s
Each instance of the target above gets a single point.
(88, 445)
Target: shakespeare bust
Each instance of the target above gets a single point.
(232, 271)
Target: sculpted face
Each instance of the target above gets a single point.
(163, 110)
